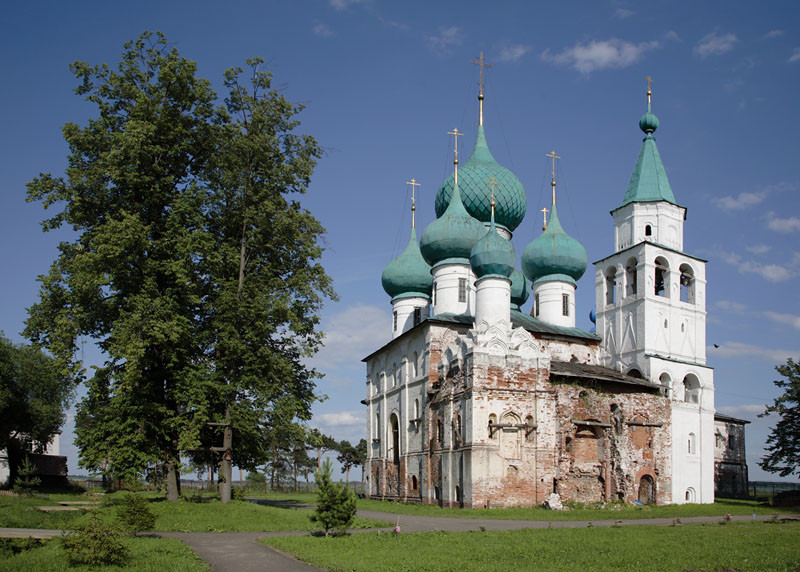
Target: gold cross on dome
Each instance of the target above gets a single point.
(456, 134)
(544, 217)
(493, 184)
(414, 184)
(649, 90)
(553, 156)
(481, 63)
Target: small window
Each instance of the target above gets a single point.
(440, 432)
(611, 285)
(416, 409)
(492, 422)
(731, 441)
(394, 374)
(394, 323)
(565, 304)
(692, 444)
(661, 287)
(536, 305)
(417, 316)
(462, 289)
(648, 230)
(687, 284)
(631, 287)
(435, 289)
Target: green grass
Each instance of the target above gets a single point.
(207, 516)
(748, 546)
(146, 555)
(613, 511)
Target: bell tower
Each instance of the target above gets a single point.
(651, 313)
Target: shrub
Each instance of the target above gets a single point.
(237, 493)
(336, 504)
(26, 482)
(135, 514)
(95, 543)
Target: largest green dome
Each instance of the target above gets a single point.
(473, 180)
(554, 252)
(408, 274)
(452, 235)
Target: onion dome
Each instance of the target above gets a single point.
(452, 235)
(649, 181)
(493, 255)
(554, 252)
(472, 176)
(408, 275)
(520, 289)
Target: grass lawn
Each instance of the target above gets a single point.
(613, 511)
(146, 555)
(745, 546)
(208, 516)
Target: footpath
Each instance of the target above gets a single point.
(240, 551)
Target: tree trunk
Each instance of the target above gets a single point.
(173, 481)
(226, 467)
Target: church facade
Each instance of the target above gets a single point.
(475, 403)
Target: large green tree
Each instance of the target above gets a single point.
(196, 275)
(265, 285)
(33, 396)
(783, 443)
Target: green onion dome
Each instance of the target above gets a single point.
(408, 274)
(452, 235)
(476, 194)
(493, 255)
(520, 289)
(554, 252)
(648, 123)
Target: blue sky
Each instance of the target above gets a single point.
(385, 81)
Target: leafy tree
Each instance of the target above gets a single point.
(193, 269)
(321, 443)
(265, 285)
(361, 456)
(33, 396)
(336, 503)
(783, 442)
(348, 458)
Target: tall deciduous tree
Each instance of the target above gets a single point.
(265, 283)
(197, 276)
(33, 396)
(783, 443)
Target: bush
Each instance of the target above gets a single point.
(237, 493)
(26, 482)
(336, 504)
(135, 514)
(95, 543)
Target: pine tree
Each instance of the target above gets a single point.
(336, 504)
(783, 442)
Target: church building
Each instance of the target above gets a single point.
(475, 403)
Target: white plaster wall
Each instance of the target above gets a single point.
(493, 300)
(665, 220)
(551, 302)
(445, 285)
(404, 307)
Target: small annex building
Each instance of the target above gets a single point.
(475, 403)
(730, 457)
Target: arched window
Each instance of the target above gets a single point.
(666, 383)
(687, 284)
(648, 230)
(395, 430)
(631, 287)
(378, 426)
(416, 409)
(492, 421)
(611, 284)
(691, 444)
(417, 316)
(440, 431)
(692, 389)
(530, 432)
(636, 373)
(394, 374)
(415, 366)
(394, 321)
(690, 495)
(661, 283)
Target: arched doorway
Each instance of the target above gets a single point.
(647, 490)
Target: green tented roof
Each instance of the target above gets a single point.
(649, 182)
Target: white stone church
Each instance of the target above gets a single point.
(475, 403)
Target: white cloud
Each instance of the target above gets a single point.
(512, 52)
(751, 410)
(773, 34)
(741, 201)
(789, 319)
(447, 38)
(323, 31)
(788, 224)
(795, 57)
(672, 35)
(770, 272)
(730, 306)
(740, 350)
(714, 44)
(623, 13)
(344, 4)
(758, 248)
(341, 419)
(350, 335)
(612, 53)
